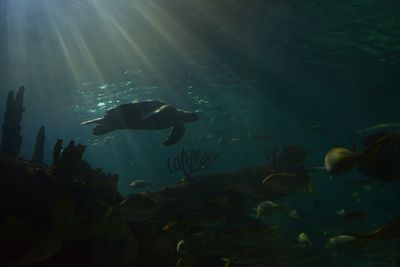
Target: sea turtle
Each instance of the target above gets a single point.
(145, 115)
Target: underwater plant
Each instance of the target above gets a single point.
(191, 161)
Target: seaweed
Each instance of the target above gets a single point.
(189, 162)
(12, 139)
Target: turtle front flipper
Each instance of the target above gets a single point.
(102, 129)
(178, 129)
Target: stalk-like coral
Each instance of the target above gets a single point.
(39, 146)
(12, 139)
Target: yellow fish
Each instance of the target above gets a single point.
(339, 160)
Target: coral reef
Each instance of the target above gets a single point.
(11, 140)
(189, 162)
(39, 146)
(45, 204)
(92, 236)
(69, 214)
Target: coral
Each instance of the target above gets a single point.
(191, 161)
(288, 158)
(57, 151)
(66, 161)
(68, 165)
(11, 140)
(39, 146)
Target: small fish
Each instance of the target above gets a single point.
(169, 226)
(339, 160)
(245, 190)
(360, 182)
(137, 208)
(200, 240)
(294, 214)
(340, 212)
(304, 239)
(317, 204)
(367, 187)
(315, 127)
(234, 140)
(137, 184)
(266, 208)
(389, 231)
(354, 216)
(382, 126)
(41, 251)
(181, 247)
(340, 241)
(249, 257)
(264, 138)
(288, 183)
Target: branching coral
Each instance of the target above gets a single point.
(191, 161)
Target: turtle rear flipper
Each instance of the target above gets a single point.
(176, 134)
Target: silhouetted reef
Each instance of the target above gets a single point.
(31, 192)
(70, 214)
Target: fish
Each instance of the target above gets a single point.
(303, 238)
(244, 190)
(169, 226)
(206, 220)
(199, 240)
(288, 183)
(181, 247)
(381, 126)
(340, 241)
(264, 138)
(41, 251)
(317, 204)
(359, 182)
(354, 216)
(249, 257)
(315, 127)
(339, 160)
(136, 208)
(267, 208)
(248, 235)
(216, 248)
(340, 212)
(137, 184)
(294, 214)
(388, 231)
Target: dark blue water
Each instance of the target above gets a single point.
(247, 68)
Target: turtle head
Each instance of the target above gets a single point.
(189, 116)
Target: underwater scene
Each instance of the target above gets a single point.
(200, 133)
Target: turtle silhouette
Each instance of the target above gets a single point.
(145, 115)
